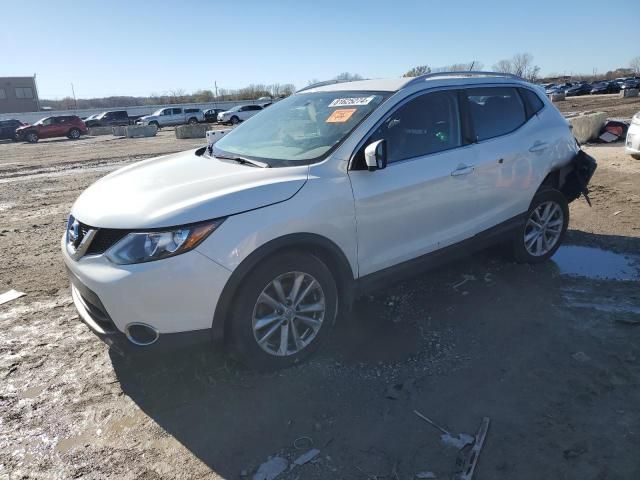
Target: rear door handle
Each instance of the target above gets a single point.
(462, 170)
(538, 147)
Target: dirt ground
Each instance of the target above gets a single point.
(614, 106)
(552, 359)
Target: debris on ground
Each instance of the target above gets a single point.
(465, 278)
(617, 212)
(424, 475)
(608, 137)
(458, 441)
(581, 357)
(467, 461)
(10, 295)
(306, 457)
(270, 469)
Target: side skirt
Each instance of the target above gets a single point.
(411, 268)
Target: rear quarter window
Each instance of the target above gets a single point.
(532, 101)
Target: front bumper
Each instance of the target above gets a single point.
(176, 296)
(632, 142)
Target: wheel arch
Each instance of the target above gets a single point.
(310, 243)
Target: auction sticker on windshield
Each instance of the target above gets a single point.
(351, 102)
(341, 115)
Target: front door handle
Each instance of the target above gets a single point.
(462, 170)
(538, 147)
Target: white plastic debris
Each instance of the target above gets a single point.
(306, 457)
(271, 469)
(458, 441)
(10, 295)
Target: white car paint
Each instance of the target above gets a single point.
(377, 219)
(632, 143)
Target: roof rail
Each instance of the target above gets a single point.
(320, 84)
(463, 73)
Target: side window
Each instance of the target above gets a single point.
(48, 121)
(166, 111)
(427, 124)
(3, 94)
(532, 102)
(495, 111)
(177, 111)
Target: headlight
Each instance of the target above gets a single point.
(139, 247)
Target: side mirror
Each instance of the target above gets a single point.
(375, 155)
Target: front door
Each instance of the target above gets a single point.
(48, 128)
(426, 198)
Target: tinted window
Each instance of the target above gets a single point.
(427, 124)
(177, 111)
(532, 100)
(191, 110)
(495, 111)
(3, 94)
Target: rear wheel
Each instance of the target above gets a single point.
(636, 156)
(74, 134)
(31, 137)
(544, 227)
(193, 121)
(283, 311)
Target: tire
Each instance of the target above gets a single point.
(31, 137)
(234, 120)
(156, 124)
(250, 308)
(636, 156)
(74, 134)
(549, 209)
(192, 121)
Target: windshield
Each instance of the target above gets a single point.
(158, 112)
(300, 129)
(39, 122)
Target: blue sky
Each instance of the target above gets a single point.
(190, 44)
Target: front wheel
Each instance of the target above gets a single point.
(156, 124)
(544, 227)
(235, 120)
(283, 311)
(32, 137)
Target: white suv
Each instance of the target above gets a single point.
(239, 114)
(262, 238)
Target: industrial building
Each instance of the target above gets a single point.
(18, 94)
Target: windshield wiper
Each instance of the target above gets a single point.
(244, 161)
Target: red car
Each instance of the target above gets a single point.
(69, 126)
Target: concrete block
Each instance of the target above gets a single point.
(119, 131)
(214, 135)
(629, 92)
(133, 131)
(558, 97)
(94, 131)
(587, 126)
(191, 131)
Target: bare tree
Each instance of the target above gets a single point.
(520, 64)
(635, 65)
(417, 71)
(348, 77)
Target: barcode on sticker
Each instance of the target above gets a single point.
(351, 102)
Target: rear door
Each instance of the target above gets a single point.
(509, 140)
(177, 116)
(426, 198)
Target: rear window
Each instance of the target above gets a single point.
(495, 111)
(191, 110)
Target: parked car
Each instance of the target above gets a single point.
(580, 89)
(112, 118)
(170, 116)
(90, 117)
(238, 114)
(631, 83)
(211, 115)
(8, 129)
(254, 239)
(632, 143)
(70, 126)
(605, 87)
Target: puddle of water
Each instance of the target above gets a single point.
(595, 263)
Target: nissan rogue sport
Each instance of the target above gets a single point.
(262, 238)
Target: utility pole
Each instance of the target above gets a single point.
(215, 95)
(74, 96)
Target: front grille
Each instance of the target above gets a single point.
(105, 238)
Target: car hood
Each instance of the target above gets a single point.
(24, 127)
(183, 188)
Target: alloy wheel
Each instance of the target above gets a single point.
(543, 228)
(288, 314)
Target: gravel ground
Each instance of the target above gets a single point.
(614, 106)
(552, 359)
